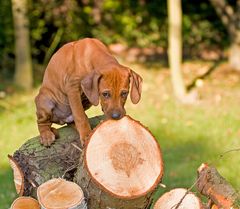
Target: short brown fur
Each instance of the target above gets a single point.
(79, 75)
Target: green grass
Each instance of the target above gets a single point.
(188, 135)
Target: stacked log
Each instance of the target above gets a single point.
(18, 176)
(33, 164)
(212, 185)
(220, 194)
(59, 193)
(120, 167)
(178, 198)
(25, 203)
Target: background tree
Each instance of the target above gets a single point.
(231, 20)
(132, 23)
(175, 47)
(23, 62)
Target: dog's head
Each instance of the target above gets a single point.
(111, 87)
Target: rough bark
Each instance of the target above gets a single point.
(175, 47)
(40, 164)
(23, 64)
(99, 199)
(216, 188)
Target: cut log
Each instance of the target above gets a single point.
(25, 203)
(59, 193)
(178, 198)
(121, 166)
(34, 164)
(216, 188)
(17, 175)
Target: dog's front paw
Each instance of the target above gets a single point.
(84, 136)
(47, 138)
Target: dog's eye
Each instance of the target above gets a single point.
(106, 94)
(124, 94)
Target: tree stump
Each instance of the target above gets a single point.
(59, 193)
(34, 164)
(178, 198)
(121, 166)
(25, 203)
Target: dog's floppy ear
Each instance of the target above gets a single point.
(136, 87)
(89, 86)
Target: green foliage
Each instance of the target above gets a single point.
(136, 23)
(201, 27)
(6, 39)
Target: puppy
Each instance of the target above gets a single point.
(78, 75)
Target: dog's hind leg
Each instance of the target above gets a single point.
(44, 108)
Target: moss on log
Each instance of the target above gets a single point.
(40, 164)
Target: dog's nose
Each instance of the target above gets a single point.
(116, 115)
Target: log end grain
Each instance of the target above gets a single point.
(25, 203)
(58, 193)
(124, 158)
(178, 198)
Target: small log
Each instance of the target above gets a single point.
(216, 188)
(121, 166)
(34, 164)
(178, 198)
(59, 193)
(25, 203)
(17, 175)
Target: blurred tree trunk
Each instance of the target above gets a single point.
(23, 64)
(175, 47)
(97, 13)
(231, 20)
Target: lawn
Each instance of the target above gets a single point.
(188, 134)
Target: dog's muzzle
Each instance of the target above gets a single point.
(116, 115)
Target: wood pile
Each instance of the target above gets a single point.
(120, 167)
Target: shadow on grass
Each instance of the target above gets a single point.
(7, 189)
(205, 75)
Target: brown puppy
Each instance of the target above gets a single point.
(79, 75)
